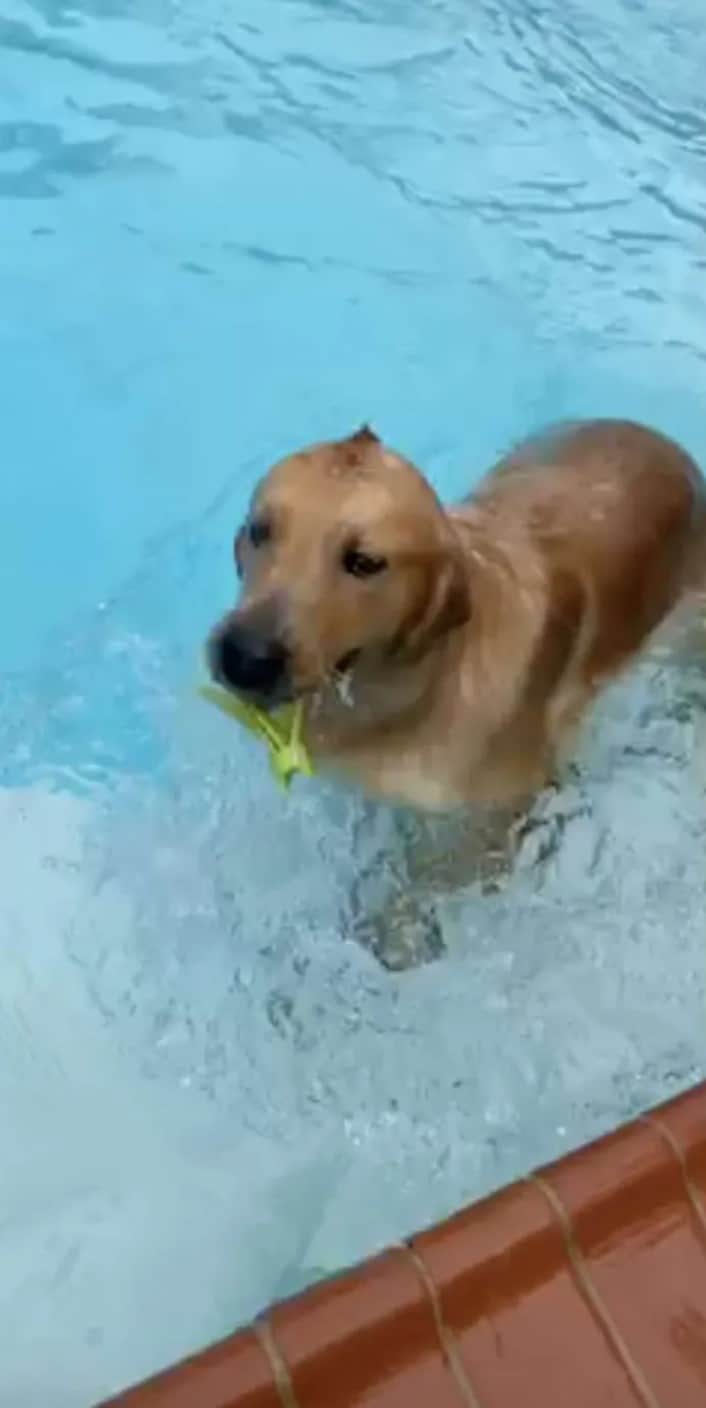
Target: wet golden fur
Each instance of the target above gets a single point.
(493, 624)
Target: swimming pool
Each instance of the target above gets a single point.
(227, 230)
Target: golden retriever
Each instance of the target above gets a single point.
(446, 656)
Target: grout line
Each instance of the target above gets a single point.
(277, 1363)
(692, 1193)
(592, 1295)
(448, 1344)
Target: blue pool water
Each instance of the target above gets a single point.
(228, 229)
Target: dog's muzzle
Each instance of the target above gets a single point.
(252, 663)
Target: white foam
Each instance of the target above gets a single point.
(214, 1093)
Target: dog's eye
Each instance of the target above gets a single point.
(361, 564)
(259, 532)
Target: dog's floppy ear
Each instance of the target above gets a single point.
(446, 604)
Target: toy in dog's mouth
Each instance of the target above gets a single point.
(279, 726)
(280, 729)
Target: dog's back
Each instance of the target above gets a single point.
(623, 506)
(616, 515)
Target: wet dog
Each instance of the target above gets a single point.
(446, 656)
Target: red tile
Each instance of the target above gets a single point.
(644, 1255)
(367, 1338)
(525, 1333)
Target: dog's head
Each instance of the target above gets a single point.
(346, 555)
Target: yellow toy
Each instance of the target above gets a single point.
(281, 731)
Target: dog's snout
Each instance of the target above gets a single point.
(249, 662)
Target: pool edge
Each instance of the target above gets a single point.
(585, 1282)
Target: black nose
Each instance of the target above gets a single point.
(249, 662)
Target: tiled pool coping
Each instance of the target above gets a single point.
(584, 1285)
